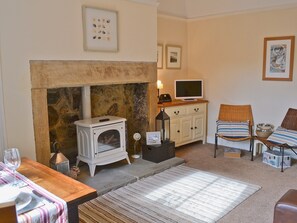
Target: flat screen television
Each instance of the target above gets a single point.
(190, 89)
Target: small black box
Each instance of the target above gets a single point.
(158, 153)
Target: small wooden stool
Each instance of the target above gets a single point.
(285, 210)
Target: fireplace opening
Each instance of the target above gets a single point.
(128, 101)
(108, 140)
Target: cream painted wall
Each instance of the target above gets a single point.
(227, 52)
(52, 30)
(172, 31)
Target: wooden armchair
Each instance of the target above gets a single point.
(290, 120)
(285, 138)
(231, 115)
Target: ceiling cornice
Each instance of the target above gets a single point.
(147, 2)
(246, 11)
(205, 9)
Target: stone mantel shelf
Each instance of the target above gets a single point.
(46, 74)
(55, 73)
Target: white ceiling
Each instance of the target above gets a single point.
(206, 8)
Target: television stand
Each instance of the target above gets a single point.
(189, 99)
(188, 120)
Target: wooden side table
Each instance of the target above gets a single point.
(158, 153)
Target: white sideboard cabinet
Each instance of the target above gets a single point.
(187, 121)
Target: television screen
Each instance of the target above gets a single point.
(188, 89)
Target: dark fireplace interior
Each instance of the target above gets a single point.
(123, 100)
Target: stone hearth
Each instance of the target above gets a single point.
(59, 74)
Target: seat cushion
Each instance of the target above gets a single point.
(233, 129)
(284, 136)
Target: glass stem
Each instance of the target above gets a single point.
(14, 178)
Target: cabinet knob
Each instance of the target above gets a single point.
(178, 131)
(176, 112)
(195, 127)
(192, 128)
(196, 109)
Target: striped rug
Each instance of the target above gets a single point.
(179, 194)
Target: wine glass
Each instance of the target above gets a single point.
(12, 160)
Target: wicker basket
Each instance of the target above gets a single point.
(263, 134)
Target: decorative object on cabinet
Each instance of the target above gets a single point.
(163, 125)
(187, 121)
(278, 58)
(160, 56)
(173, 56)
(285, 136)
(100, 29)
(164, 98)
(235, 123)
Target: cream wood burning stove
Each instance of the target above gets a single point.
(101, 141)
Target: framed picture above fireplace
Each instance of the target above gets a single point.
(100, 32)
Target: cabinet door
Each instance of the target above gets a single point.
(186, 129)
(198, 126)
(175, 130)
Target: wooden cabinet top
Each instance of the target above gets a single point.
(180, 103)
(66, 188)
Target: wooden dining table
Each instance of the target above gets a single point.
(70, 190)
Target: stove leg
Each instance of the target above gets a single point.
(77, 161)
(127, 158)
(92, 168)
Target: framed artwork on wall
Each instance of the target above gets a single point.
(173, 57)
(278, 58)
(100, 32)
(160, 56)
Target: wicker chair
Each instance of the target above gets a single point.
(236, 113)
(290, 123)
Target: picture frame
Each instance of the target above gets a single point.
(160, 56)
(153, 138)
(100, 29)
(278, 58)
(173, 56)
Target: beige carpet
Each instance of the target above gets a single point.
(177, 195)
(258, 208)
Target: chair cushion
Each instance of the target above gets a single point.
(233, 129)
(283, 136)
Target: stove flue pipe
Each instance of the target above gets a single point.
(86, 102)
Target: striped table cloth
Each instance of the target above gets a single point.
(44, 207)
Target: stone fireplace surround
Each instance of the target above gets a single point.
(56, 74)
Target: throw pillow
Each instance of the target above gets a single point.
(283, 136)
(233, 129)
